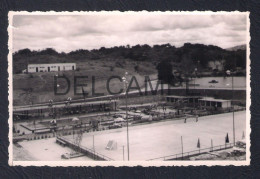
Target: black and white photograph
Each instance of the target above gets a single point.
(129, 88)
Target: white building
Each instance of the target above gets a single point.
(211, 102)
(217, 64)
(33, 68)
(201, 101)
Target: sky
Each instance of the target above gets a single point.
(67, 33)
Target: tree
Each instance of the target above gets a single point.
(136, 68)
(49, 51)
(26, 52)
(165, 74)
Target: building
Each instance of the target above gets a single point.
(45, 111)
(199, 101)
(218, 103)
(34, 68)
(183, 99)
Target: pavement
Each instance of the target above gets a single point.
(164, 138)
(148, 141)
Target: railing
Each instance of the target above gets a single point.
(97, 154)
(186, 155)
(89, 152)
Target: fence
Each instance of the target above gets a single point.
(187, 155)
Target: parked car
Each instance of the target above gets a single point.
(115, 126)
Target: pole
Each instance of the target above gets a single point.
(234, 138)
(181, 148)
(126, 114)
(211, 145)
(34, 124)
(194, 80)
(123, 152)
(93, 145)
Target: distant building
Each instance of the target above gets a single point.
(34, 68)
(216, 65)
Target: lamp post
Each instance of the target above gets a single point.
(195, 76)
(94, 144)
(126, 111)
(233, 113)
(181, 148)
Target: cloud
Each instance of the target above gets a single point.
(71, 32)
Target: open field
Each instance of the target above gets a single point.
(149, 140)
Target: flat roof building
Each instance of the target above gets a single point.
(200, 101)
(61, 108)
(34, 68)
(211, 102)
(183, 99)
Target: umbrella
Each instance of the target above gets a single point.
(198, 144)
(227, 139)
(75, 119)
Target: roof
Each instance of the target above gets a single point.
(49, 64)
(22, 108)
(172, 96)
(184, 97)
(140, 105)
(214, 100)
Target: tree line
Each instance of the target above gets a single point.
(185, 58)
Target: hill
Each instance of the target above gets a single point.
(238, 47)
(184, 58)
(139, 60)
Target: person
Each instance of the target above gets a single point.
(197, 118)
(185, 120)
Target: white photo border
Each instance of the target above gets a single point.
(126, 163)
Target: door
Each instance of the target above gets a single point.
(36, 69)
(58, 68)
(48, 69)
